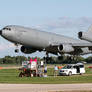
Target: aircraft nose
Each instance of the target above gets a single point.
(0, 32)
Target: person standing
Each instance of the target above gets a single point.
(45, 71)
(55, 70)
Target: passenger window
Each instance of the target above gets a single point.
(81, 66)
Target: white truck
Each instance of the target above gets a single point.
(72, 69)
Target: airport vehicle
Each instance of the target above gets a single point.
(32, 40)
(86, 35)
(71, 69)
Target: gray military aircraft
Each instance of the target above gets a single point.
(86, 35)
(33, 40)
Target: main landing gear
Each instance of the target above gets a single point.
(69, 58)
(16, 50)
(73, 58)
(46, 59)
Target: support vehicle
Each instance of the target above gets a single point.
(71, 69)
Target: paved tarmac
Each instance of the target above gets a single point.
(45, 87)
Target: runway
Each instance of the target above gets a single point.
(45, 87)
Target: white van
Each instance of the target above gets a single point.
(72, 69)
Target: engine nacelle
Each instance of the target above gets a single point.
(65, 48)
(85, 36)
(27, 50)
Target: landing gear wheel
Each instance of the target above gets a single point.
(16, 50)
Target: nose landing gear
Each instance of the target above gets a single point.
(16, 50)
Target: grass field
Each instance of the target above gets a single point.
(11, 76)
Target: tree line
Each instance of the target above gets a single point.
(51, 60)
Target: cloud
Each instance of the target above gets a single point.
(5, 46)
(67, 23)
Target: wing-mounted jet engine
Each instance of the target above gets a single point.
(27, 50)
(65, 48)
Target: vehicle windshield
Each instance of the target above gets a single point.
(67, 67)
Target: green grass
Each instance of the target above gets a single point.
(9, 65)
(11, 76)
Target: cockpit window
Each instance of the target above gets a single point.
(6, 28)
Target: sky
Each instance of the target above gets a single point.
(65, 17)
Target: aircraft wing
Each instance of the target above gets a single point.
(70, 48)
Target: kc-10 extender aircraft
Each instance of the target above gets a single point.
(33, 40)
